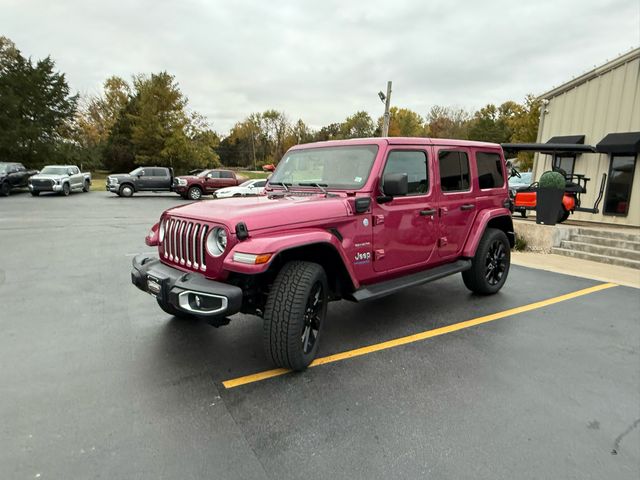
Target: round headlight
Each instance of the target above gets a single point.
(161, 231)
(217, 241)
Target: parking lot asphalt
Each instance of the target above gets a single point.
(97, 382)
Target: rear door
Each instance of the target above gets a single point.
(405, 229)
(457, 200)
(227, 179)
(160, 178)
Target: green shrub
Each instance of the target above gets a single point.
(552, 180)
(521, 244)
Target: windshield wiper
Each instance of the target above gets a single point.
(314, 184)
(284, 184)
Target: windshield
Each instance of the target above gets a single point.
(247, 183)
(334, 167)
(137, 171)
(203, 173)
(525, 180)
(54, 170)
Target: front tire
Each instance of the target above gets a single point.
(490, 266)
(86, 187)
(294, 315)
(66, 189)
(195, 193)
(35, 193)
(5, 189)
(125, 191)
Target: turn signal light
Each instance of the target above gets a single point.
(251, 259)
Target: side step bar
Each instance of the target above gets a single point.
(382, 289)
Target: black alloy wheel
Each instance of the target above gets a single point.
(496, 262)
(313, 317)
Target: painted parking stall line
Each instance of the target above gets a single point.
(397, 342)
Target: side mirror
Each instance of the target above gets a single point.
(395, 184)
(69, 172)
(250, 186)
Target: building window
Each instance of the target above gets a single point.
(489, 170)
(564, 163)
(454, 171)
(619, 185)
(414, 164)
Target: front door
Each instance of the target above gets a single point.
(405, 229)
(457, 200)
(212, 182)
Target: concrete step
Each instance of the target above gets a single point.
(631, 236)
(609, 242)
(600, 249)
(594, 257)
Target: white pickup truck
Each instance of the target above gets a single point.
(62, 179)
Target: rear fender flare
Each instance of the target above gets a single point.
(277, 244)
(494, 218)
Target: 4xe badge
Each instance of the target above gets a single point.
(362, 258)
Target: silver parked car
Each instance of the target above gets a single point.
(62, 179)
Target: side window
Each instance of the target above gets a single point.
(20, 167)
(454, 171)
(76, 170)
(160, 172)
(489, 170)
(414, 164)
(214, 175)
(225, 174)
(259, 184)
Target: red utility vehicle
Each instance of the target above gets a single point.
(353, 219)
(205, 182)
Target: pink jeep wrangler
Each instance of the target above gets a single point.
(354, 219)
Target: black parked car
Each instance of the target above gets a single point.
(12, 176)
(142, 179)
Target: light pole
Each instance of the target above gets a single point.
(387, 101)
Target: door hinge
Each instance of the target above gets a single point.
(442, 241)
(378, 254)
(378, 219)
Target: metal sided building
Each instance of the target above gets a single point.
(600, 108)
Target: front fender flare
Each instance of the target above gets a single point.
(280, 242)
(480, 224)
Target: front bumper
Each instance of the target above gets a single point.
(45, 188)
(188, 292)
(113, 187)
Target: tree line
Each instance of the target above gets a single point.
(147, 120)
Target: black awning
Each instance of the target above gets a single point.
(567, 139)
(548, 148)
(628, 142)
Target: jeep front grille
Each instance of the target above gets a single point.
(185, 242)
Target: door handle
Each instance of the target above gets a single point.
(428, 213)
(468, 206)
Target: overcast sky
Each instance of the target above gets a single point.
(321, 61)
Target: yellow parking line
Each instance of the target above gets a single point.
(256, 377)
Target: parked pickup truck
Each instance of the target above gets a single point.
(142, 179)
(13, 176)
(205, 182)
(62, 179)
(351, 219)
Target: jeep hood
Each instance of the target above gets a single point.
(264, 212)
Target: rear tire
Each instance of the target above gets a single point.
(490, 266)
(5, 189)
(194, 193)
(294, 315)
(563, 215)
(125, 191)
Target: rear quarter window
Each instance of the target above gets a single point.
(490, 174)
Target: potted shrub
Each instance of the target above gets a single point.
(549, 197)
